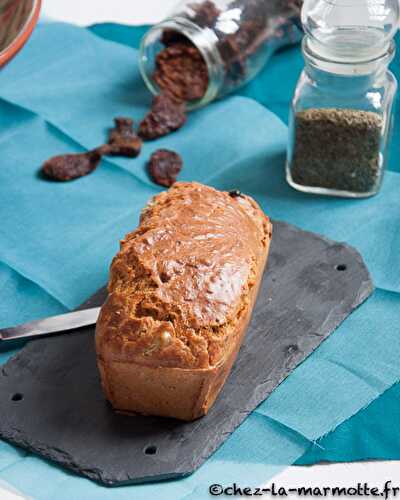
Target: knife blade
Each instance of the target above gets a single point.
(52, 325)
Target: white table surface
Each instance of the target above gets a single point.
(85, 12)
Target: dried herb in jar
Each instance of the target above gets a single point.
(337, 149)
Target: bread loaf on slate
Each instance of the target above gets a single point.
(181, 293)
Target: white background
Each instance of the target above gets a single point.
(84, 12)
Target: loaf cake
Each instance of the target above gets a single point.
(181, 293)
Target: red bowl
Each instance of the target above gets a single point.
(17, 21)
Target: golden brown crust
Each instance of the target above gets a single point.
(181, 280)
(181, 292)
(172, 392)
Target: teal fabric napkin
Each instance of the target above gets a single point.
(374, 432)
(56, 241)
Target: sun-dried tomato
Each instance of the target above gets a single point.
(206, 13)
(170, 37)
(182, 72)
(166, 115)
(123, 140)
(164, 167)
(71, 166)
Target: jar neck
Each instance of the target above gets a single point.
(327, 70)
(204, 39)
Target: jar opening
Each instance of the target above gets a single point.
(344, 66)
(204, 40)
(351, 30)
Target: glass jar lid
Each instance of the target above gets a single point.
(351, 30)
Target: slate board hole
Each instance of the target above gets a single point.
(150, 450)
(341, 267)
(292, 349)
(17, 397)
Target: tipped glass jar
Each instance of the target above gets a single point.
(208, 48)
(341, 116)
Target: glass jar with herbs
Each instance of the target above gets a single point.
(206, 49)
(341, 115)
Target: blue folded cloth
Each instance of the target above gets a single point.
(56, 242)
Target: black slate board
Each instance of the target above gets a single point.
(52, 402)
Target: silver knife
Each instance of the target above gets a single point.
(54, 324)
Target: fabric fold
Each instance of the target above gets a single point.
(23, 300)
(372, 434)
